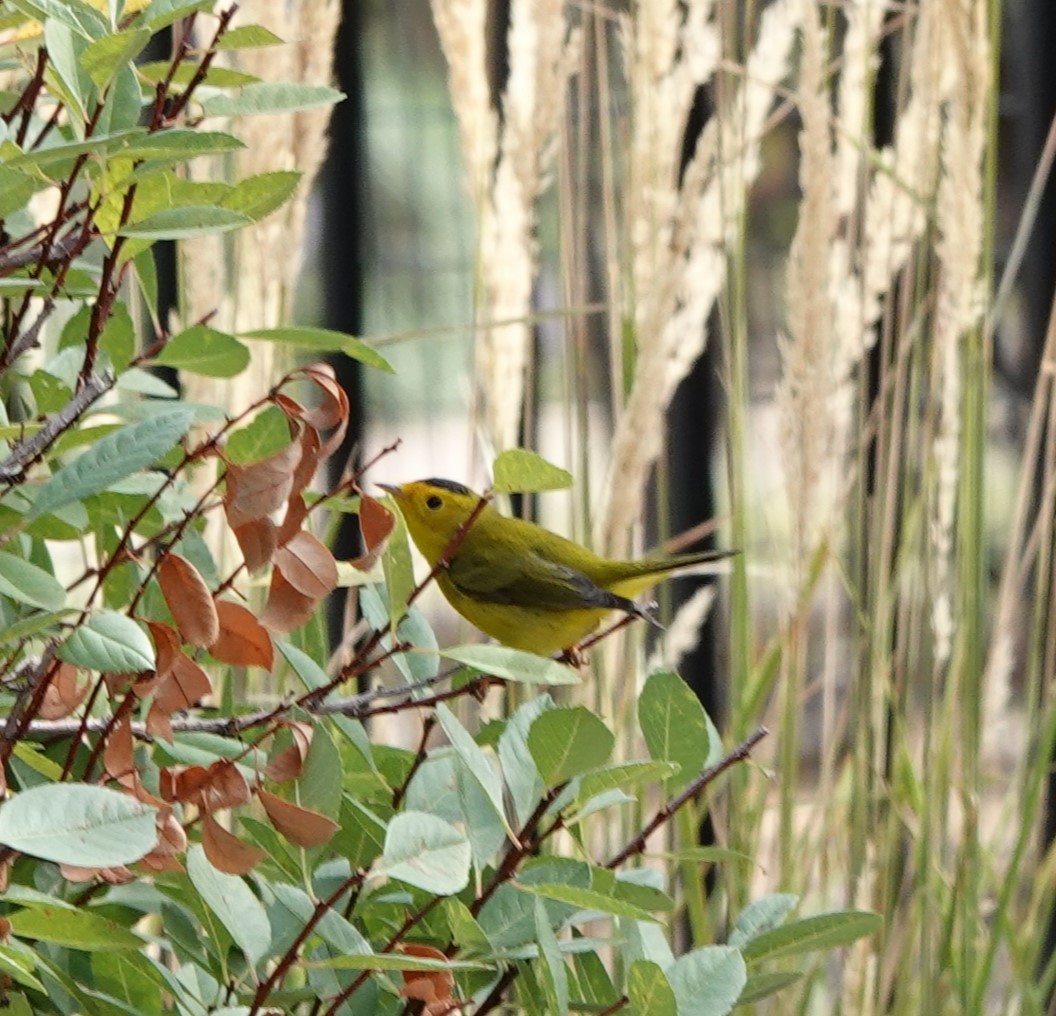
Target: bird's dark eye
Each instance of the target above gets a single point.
(433, 502)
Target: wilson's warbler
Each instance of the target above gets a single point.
(518, 582)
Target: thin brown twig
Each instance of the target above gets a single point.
(666, 811)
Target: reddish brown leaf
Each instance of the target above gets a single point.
(171, 837)
(257, 490)
(286, 608)
(117, 755)
(288, 763)
(434, 987)
(300, 826)
(184, 684)
(257, 539)
(224, 787)
(113, 876)
(189, 600)
(332, 411)
(296, 513)
(161, 862)
(183, 784)
(376, 524)
(159, 723)
(226, 852)
(309, 463)
(167, 646)
(308, 566)
(243, 641)
(118, 684)
(65, 692)
(5, 930)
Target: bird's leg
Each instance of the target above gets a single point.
(572, 656)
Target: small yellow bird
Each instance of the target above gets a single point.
(518, 582)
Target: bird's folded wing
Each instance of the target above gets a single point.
(531, 581)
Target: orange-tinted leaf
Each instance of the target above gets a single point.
(117, 755)
(182, 686)
(65, 692)
(289, 762)
(159, 723)
(434, 987)
(118, 684)
(296, 513)
(171, 837)
(308, 566)
(167, 646)
(225, 786)
(5, 930)
(226, 852)
(257, 539)
(287, 608)
(183, 785)
(257, 490)
(113, 876)
(189, 599)
(300, 826)
(243, 641)
(376, 524)
(332, 412)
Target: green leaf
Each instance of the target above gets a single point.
(760, 986)
(518, 471)
(478, 767)
(234, 904)
(27, 583)
(163, 13)
(33, 625)
(588, 899)
(105, 56)
(324, 340)
(623, 774)
(75, 14)
(181, 223)
(74, 929)
(552, 967)
(319, 785)
(823, 931)
(203, 350)
(248, 37)
(311, 674)
(258, 196)
(109, 642)
(19, 966)
(512, 664)
(708, 981)
(65, 47)
(267, 433)
(760, 916)
(523, 783)
(15, 190)
(130, 976)
(271, 97)
(674, 724)
(568, 741)
(112, 458)
(73, 823)
(649, 991)
(180, 144)
(426, 852)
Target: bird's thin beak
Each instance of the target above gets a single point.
(396, 492)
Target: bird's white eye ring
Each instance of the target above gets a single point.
(433, 502)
